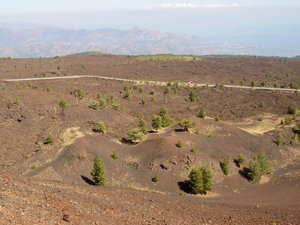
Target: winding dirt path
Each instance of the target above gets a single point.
(150, 82)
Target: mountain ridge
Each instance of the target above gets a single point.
(52, 41)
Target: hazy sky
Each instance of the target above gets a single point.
(9, 7)
(270, 23)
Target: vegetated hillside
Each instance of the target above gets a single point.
(48, 42)
(58, 168)
(249, 71)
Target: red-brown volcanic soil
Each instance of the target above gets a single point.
(59, 190)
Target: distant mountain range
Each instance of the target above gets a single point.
(49, 42)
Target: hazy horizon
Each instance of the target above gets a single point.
(265, 23)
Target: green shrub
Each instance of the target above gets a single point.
(116, 106)
(193, 150)
(141, 90)
(260, 118)
(39, 146)
(288, 120)
(29, 84)
(54, 116)
(102, 103)
(200, 180)
(156, 122)
(142, 125)
(18, 86)
(153, 99)
(225, 166)
(94, 105)
(168, 90)
(201, 114)
(258, 166)
(241, 159)
(252, 84)
(217, 118)
(62, 103)
(197, 132)
(114, 155)
(186, 124)
(152, 91)
(99, 173)
(100, 127)
(210, 134)
(16, 100)
(179, 143)
(49, 89)
(79, 93)
(279, 140)
(295, 139)
(126, 88)
(143, 101)
(50, 139)
(34, 166)
(193, 97)
(128, 94)
(262, 104)
(166, 120)
(134, 134)
(294, 85)
(263, 83)
(292, 110)
(155, 178)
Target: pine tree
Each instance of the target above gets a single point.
(156, 122)
(100, 127)
(201, 114)
(241, 159)
(98, 173)
(207, 179)
(142, 125)
(186, 124)
(135, 134)
(200, 180)
(254, 173)
(225, 166)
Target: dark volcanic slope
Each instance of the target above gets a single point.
(280, 72)
(58, 190)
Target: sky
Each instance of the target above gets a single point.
(266, 23)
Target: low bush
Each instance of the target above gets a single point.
(201, 114)
(179, 143)
(100, 127)
(50, 139)
(225, 166)
(155, 178)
